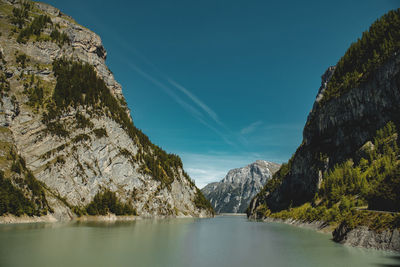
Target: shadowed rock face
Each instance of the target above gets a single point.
(233, 193)
(74, 169)
(388, 239)
(335, 131)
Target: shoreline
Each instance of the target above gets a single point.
(106, 218)
(12, 219)
(231, 214)
(318, 226)
(360, 237)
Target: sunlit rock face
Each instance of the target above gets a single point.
(233, 193)
(74, 168)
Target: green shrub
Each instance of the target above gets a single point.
(15, 167)
(82, 122)
(20, 15)
(100, 132)
(13, 200)
(35, 96)
(35, 28)
(107, 202)
(80, 138)
(201, 202)
(57, 128)
(60, 160)
(22, 59)
(59, 38)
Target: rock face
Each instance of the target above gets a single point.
(357, 102)
(233, 193)
(75, 167)
(336, 131)
(363, 237)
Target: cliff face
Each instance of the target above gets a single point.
(335, 131)
(345, 172)
(86, 148)
(233, 193)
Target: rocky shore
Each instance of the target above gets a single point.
(318, 226)
(11, 219)
(362, 237)
(388, 239)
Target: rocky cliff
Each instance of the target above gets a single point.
(388, 239)
(346, 170)
(233, 193)
(65, 124)
(336, 130)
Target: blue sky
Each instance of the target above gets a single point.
(223, 83)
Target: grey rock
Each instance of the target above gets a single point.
(90, 165)
(337, 130)
(324, 83)
(388, 239)
(233, 193)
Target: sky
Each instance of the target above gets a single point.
(223, 83)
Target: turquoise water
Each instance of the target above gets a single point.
(221, 241)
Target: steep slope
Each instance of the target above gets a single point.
(349, 156)
(233, 193)
(63, 114)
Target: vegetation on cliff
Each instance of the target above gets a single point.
(23, 15)
(78, 85)
(107, 202)
(74, 103)
(277, 178)
(23, 194)
(363, 57)
(201, 202)
(351, 190)
(346, 183)
(13, 200)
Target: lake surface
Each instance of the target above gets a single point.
(220, 241)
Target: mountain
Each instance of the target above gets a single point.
(233, 193)
(348, 163)
(68, 143)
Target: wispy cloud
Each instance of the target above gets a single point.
(251, 128)
(205, 108)
(196, 113)
(197, 101)
(197, 108)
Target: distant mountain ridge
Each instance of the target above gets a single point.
(233, 193)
